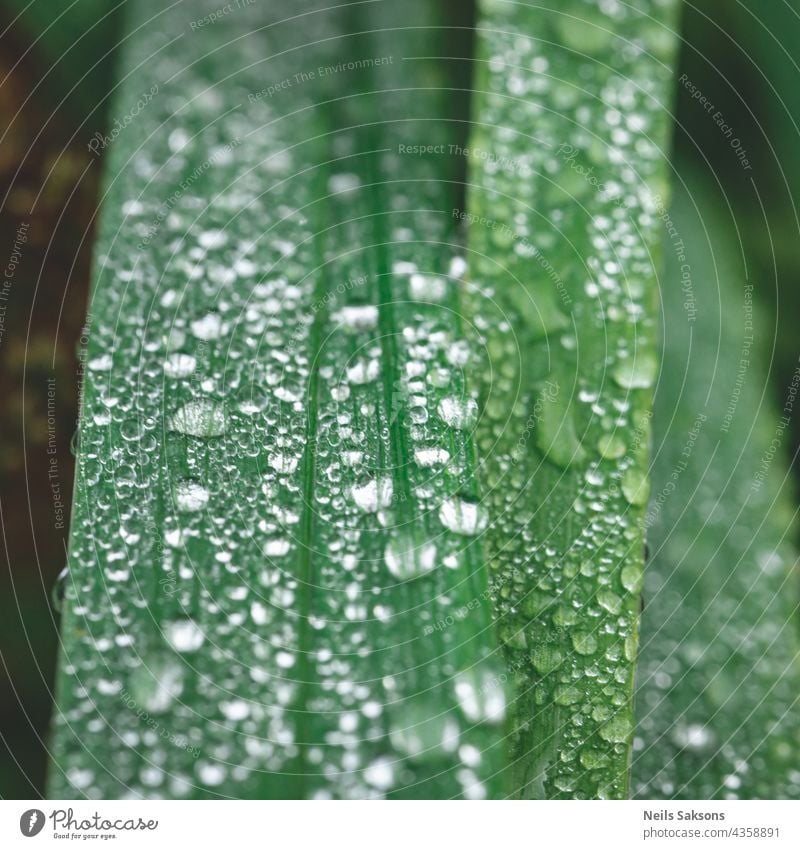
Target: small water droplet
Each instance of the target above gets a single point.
(380, 774)
(584, 642)
(546, 659)
(694, 736)
(283, 463)
(101, 363)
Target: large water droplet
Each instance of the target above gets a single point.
(157, 684)
(364, 371)
(427, 457)
(208, 328)
(359, 317)
(373, 495)
(617, 729)
(463, 516)
(638, 371)
(458, 413)
(406, 559)
(179, 365)
(636, 486)
(422, 731)
(425, 287)
(184, 635)
(190, 496)
(204, 418)
(481, 694)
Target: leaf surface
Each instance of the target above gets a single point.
(275, 532)
(719, 667)
(563, 223)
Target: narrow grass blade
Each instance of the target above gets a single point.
(563, 222)
(719, 668)
(276, 506)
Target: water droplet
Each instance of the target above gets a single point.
(463, 516)
(364, 371)
(617, 729)
(208, 328)
(546, 659)
(425, 287)
(481, 694)
(458, 413)
(591, 759)
(211, 775)
(59, 591)
(235, 710)
(190, 497)
(566, 694)
(422, 731)
(405, 559)
(179, 365)
(283, 463)
(184, 635)
(359, 317)
(204, 418)
(277, 548)
(636, 486)
(611, 447)
(157, 684)
(101, 363)
(631, 578)
(694, 736)
(584, 642)
(380, 774)
(638, 371)
(609, 601)
(374, 494)
(427, 457)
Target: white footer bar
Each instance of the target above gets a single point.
(401, 825)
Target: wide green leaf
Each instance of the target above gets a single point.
(719, 671)
(276, 584)
(564, 222)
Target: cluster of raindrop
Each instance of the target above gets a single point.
(567, 336)
(276, 509)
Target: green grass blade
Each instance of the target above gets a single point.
(564, 205)
(267, 535)
(719, 668)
